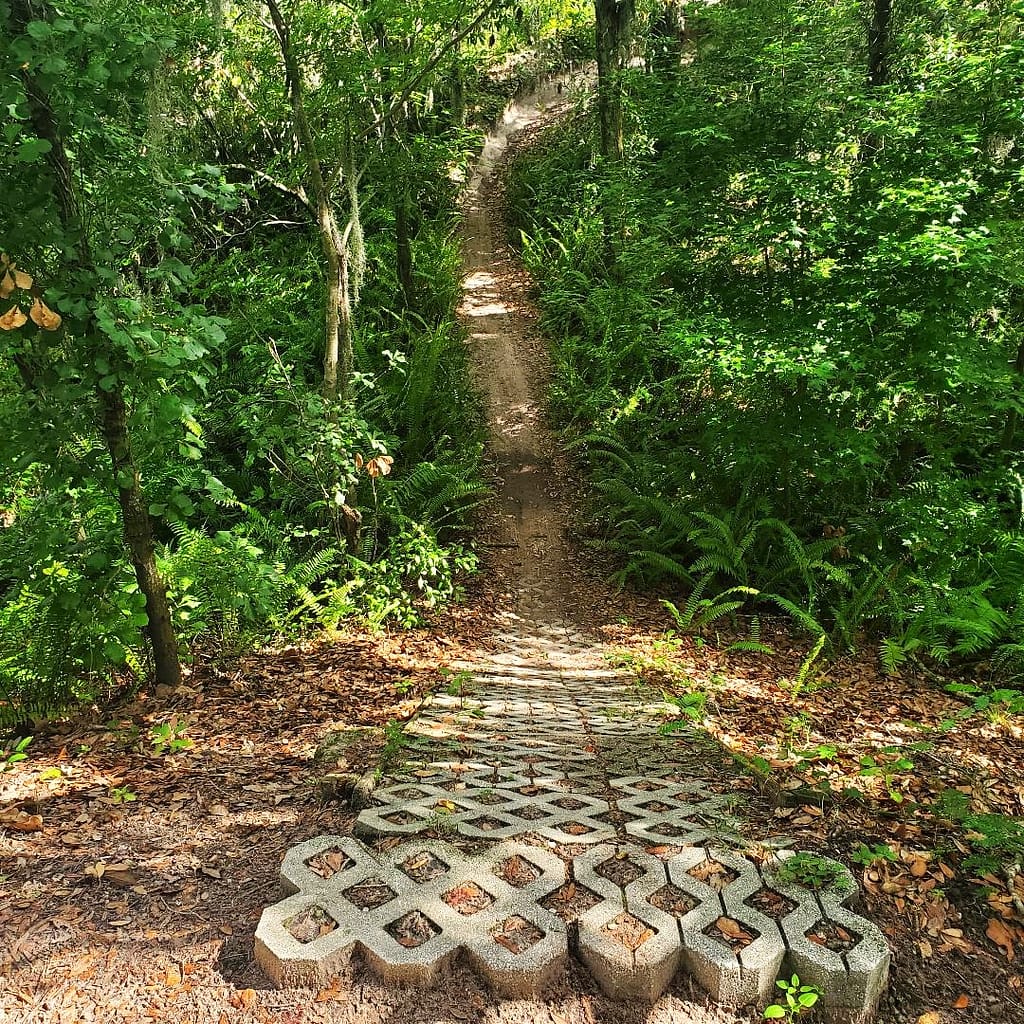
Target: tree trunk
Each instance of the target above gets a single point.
(138, 536)
(338, 301)
(613, 22)
(137, 525)
(879, 41)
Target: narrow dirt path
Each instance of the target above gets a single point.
(509, 366)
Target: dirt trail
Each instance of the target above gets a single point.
(509, 368)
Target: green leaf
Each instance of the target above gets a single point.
(774, 1012)
(808, 998)
(31, 150)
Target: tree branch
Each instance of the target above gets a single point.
(295, 191)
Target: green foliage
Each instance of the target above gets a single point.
(798, 371)
(810, 871)
(200, 307)
(869, 855)
(414, 573)
(799, 1000)
(14, 753)
(169, 737)
(996, 840)
(691, 709)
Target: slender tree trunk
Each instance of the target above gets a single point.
(137, 525)
(138, 536)
(613, 24)
(879, 42)
(338, 301)
(327, 230)
(667, 37)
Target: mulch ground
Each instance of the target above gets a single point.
(132, 874)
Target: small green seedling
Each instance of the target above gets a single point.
(169, 737)
(458, 682)
(810, 871)
(868, 855)
(800, 999)
(15, 754)
(122, 795)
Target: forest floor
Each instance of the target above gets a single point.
(139, 845)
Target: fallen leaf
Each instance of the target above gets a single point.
(1001, 936)
(962, 1002)
(931, 1017)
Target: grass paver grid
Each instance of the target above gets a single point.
(545, 748)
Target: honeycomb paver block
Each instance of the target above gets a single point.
(622, 972)
(514, 972)
(732, 979)
(852, 982)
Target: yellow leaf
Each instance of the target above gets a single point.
(12, 319)
(6, 285)
(380, 465)
(21, 279)
(931, 1017)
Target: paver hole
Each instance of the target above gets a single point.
(310, 924)
(517, 871)
(736, 935)
(410, 793)
(491, 799)
(516, 934)
(771, 903)
(672, 900)
(648, 785)
(400, 818)
(423, 866)
(620, 869)
(413, 929)
(570, 901)
(369, 895)
(670, 830)
(629, 931)
(576, 828)
(714, 873)
(657, 807)
(569, 803)
(468, 899)
(488, 823)
(328, 863)
(833, 936)
(613, 816)
(530, 813)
